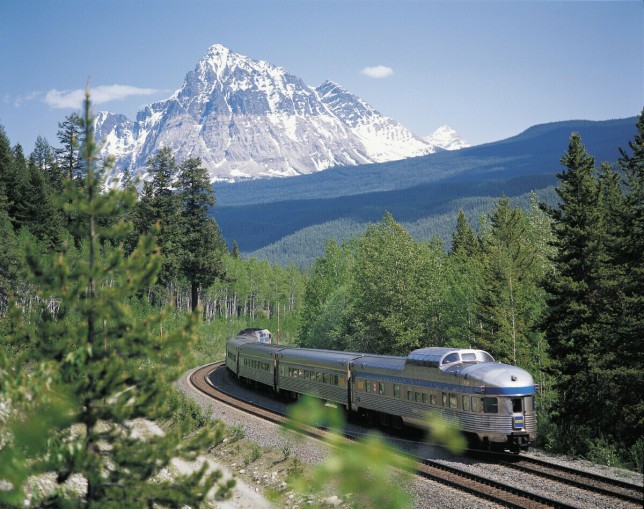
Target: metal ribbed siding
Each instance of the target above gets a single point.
(389, 405)
(258, 375)
(335, 393)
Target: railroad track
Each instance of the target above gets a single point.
(577, 478)
(481, 487)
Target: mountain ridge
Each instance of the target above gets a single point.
(288, 220)
(248, 118)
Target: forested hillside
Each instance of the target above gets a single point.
(286, 220)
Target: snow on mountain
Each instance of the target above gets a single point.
(446, 138)
(247, 118)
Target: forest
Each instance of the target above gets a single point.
(108, 295)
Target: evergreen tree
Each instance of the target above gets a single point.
(70, 136)
(235, 252)
(6, 167)
(43, 158)
(574, 340)
(159, 204)
(628, 324)
(464, 240)
(202, 242)
(19, 191)
(114, 369)
(509, 281)
(45, 219)
(11, 260)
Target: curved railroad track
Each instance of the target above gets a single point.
(503, 494)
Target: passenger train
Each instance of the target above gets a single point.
(490, 402)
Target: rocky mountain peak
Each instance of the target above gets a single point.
(247, 118)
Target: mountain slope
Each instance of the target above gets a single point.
(339, 202)
(247, 118)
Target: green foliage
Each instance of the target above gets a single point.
(202, 245)
(369, 469)
(594, 318)
(390, 291)
(114, 370)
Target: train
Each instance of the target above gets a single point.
(491, 403)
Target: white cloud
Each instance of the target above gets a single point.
(102, 94)
(379, 71)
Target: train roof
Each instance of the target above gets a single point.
(435, 357)
(388, 362)
(262, 347)
(329, 358)
(242, 340)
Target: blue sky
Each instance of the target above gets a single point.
(487, 69)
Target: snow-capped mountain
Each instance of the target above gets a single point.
(247, 118)
(446, 138)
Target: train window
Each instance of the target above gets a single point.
(432, 399)
(490, 405)
(452, 357)
(424, 396)
(335, 379)
(396, 391)
(417, 397)
(444, 399)
(325, 378)
(468, 357)
(361, 385)
(318, 376)
(342, 380)
(410, 396)
(466, 403)
(517, 405)
(366, 385)
(381, 388)
(484, 357)
(453, 401)
(475, 404)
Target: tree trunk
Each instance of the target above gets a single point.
(195, 296)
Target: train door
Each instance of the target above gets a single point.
(518, 414)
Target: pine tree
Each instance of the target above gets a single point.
(202, 243)
(6, 166)
(43, 157)
(45, 219)
(70, 136)
(506, 300)
(574, 297)
(464, 240)
(114, 368)
(628, 324)
(160, 204)
(235, 252)
(11, 260)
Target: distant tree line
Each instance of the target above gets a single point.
(556, 290)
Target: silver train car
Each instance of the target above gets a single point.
(491, 402)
